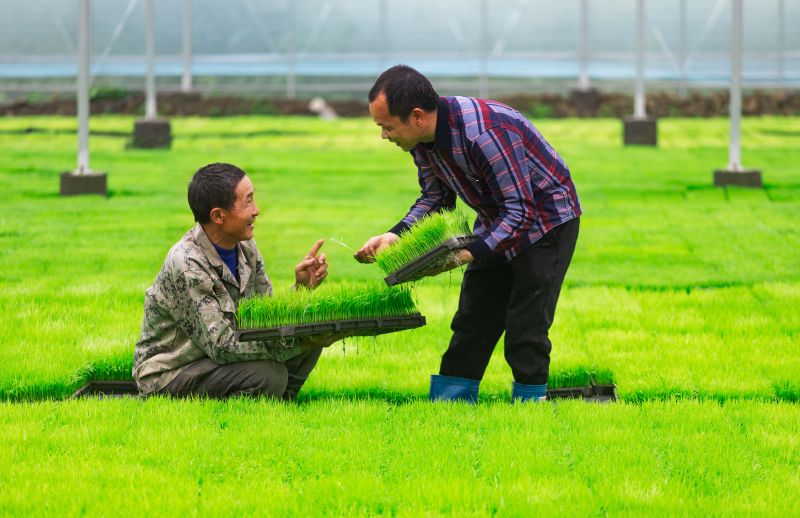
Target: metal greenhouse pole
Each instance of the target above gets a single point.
(291, 52)
(781, 44)
(638, 99)
(483, 81)
(584, 98)
(151, 132)
(186, 76)
(382, 34)
(583, 80)
(735, 174)
(150, 43)
(84, 57)
(83, 180)
(683, 36)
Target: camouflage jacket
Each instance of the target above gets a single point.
(190, 312)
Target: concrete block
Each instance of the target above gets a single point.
(640, 132)
(73, 184)
(743, 178)
(151, 133)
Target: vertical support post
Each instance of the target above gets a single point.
(638, 102)
(483, 82)
(82, 180)
(84, 21)
(382, 36)
(734, 149)
(186, 77)
(584, 99)
(150, 85)
(583, 80)
(683, 47)
(291, 80)
(735, 174)
(781, 43)
(151, 132)
(640, 130)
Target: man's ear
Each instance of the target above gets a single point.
(418, 116)
(217, 215)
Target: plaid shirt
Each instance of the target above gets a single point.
(499, 164)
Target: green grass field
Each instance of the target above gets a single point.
(687, 295)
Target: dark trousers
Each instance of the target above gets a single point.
(252, 378)
(518, 297)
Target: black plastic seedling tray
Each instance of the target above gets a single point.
(105, 389)
(340, 328)
(429, 262)
(597, 393)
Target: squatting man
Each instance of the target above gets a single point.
(188, 343)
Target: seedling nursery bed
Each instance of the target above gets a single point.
(120, 389)
(430, 262)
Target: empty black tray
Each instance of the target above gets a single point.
(341, 328)
(597, 393)
(429, 261)
(105, 389)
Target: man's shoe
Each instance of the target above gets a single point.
(451, 388)
(522, 393)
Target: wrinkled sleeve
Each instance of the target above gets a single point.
(434, 195)
(500, 156)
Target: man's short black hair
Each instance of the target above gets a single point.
(213, 186)
(405, 89)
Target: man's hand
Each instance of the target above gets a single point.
(312, 270)
(374, 245)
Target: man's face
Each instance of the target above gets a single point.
(404, 134)
(238, 221)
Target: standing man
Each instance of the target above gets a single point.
(499, 164)
(188, 344)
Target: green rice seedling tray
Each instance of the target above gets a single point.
(429, 262)
(594, 392)
(339, 328)
(108, 389)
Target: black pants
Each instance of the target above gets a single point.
(518, 297)
(252, 378)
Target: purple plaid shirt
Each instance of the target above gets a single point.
(499, 164)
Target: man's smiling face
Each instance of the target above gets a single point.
(239, 220)
(404, 134)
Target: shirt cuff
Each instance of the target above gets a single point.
(479, 249)
(400, 227)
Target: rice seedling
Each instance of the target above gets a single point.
(425, 235)
(697, 320)
(326, 303)
(685, 304)
(579, 377)
(338, 457)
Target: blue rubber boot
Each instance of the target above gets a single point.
(451, 388)
(523, 393)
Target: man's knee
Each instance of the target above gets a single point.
(266, 378)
